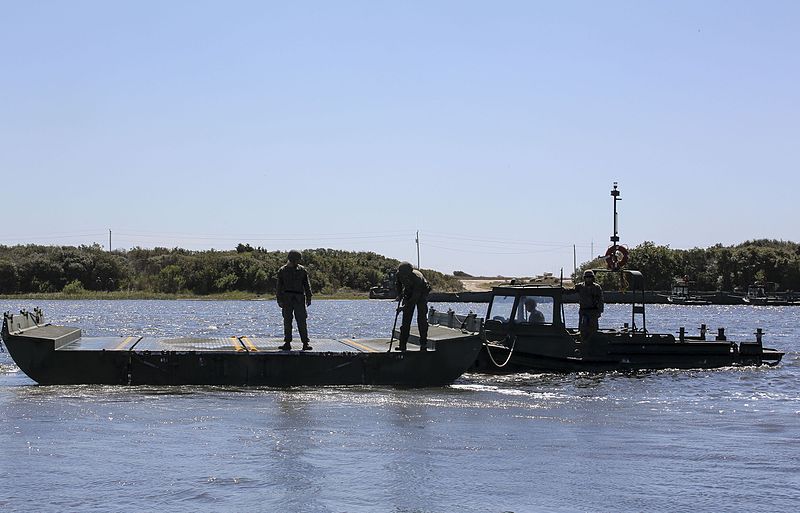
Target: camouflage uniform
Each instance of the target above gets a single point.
(591, 305)
(293, 292)
(413, 289)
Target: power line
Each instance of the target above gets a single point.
(484, 252)
(40, 237)
(443, 241)
(436, 235)
(264, 237)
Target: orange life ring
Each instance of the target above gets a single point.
(616, 257)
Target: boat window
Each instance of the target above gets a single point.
(680, 290)
(535, 310)
(501, 307)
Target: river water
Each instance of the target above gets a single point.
(669, 441)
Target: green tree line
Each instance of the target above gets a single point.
(35, 269)
(717, 268)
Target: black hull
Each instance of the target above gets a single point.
(620, 352)
(542, 363)
(412, 368)
(55, 355)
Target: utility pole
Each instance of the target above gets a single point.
(109, 240)
(574, 260)
(418, 249)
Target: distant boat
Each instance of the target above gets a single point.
(387, 288)
(380, 292)
(765, 294)
(681, 296)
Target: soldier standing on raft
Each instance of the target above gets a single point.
(590, 300)
(293, 292)
(412, 291)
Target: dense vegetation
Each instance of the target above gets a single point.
(73, 270)
(719, 267)
(35, 269)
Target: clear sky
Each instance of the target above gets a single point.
(494, 128)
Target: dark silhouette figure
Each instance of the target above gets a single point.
(293, 292)
(412, 291)
(591, 305)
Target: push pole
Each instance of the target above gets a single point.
(396, 315)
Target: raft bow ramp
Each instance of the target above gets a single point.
(61, 355)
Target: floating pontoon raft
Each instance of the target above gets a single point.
(51, 355)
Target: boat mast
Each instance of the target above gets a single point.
(615, 237)
(616, 256)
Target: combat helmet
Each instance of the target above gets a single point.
(404, 268)
(295, 256)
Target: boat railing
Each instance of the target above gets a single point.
(470, 322)
(23, 320)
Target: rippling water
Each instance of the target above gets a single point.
(672, 441)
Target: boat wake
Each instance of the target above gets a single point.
(8, 368)
(508, 391)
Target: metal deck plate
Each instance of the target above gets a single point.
(229, 344)
(375, 345)
(101, 344)
(381, 345)
(190, 344)
(320, 345)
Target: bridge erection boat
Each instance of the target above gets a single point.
(514, 342)
(525, 330)
(60, 355)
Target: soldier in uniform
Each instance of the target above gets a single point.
(590, 301)
(293, 292)
(412, 291)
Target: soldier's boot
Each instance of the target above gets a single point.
(401, 346)
(287, 346)
(307, 347)
(423, 346)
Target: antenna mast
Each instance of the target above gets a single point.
(615, 237)
(616, 256)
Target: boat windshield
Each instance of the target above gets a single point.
(501, 307)
(535, 310)
(680, 290)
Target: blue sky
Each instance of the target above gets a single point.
(494, 128)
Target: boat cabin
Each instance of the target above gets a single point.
(526, 304)
(762, 290)
(681, 294)
(680, 290)
(526, 309)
